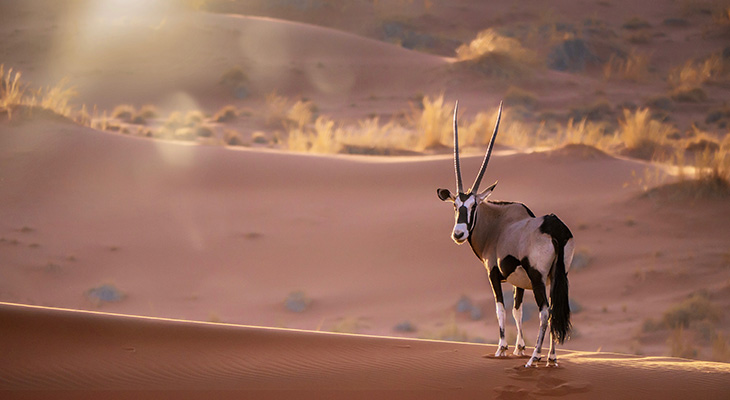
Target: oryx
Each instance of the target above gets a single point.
(515, 246)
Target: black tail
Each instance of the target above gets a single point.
(559, 304)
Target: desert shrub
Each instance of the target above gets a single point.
(680, 345)
(297, 301)
(124, 112)
(452, 333)
(719, 116)
(326, 137)
(259, 137)
(300, 114)
(685, 81)
(720, 348)
(632, 67)
(496, 56)
(479, 131)
(194, 118)
(232, 138)
(11, 90)
(276, 109)
(586, 132)
(369, 136)
(696, 307)
(693, 95)
(433, 122)
(106, 293)
(643, 136)
(405, 327)
(226, 114)
(572, 54)
(204, 131)
(148, 111)
(598, 111)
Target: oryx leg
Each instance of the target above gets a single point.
(517, 314)
(552, 357)
(495, 278)
(538, 288)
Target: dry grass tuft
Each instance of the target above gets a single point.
(587, 132)
(644, 137)
(11, 91)
(433, 122)
(276, 110)
(634, 67)
(54, 99)
(497, 56)
(686, 81)
(226, 114)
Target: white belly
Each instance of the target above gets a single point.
(520, 279)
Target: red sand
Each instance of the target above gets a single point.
(66, 354)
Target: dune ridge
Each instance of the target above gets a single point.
(57, 352)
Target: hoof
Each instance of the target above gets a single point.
(531, 362)
(501, 351)
(519, 351)
(552, 363)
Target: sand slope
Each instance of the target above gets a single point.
(210, 233)
(61, 352)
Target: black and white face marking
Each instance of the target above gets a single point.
(465, 206)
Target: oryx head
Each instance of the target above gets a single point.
(465, 203)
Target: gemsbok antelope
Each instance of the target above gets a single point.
(515, 246)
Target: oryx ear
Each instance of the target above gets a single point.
(483, 195)
(445, 195)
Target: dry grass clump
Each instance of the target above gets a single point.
(369, 136)
(232, 138)
(695, 308)
(54, 99)
(595, 134)
(496, 55)
(642, 136)
(128, 114)
(188, 127)
(276, 109)
(11, 91)
(633, 67)
(686, 81)
(226, 114)
(433, 122)
(693, 321)
(321, 137)
(123, 112)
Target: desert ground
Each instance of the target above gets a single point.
(221, 198)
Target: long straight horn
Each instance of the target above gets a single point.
(457, 165)
(475, 186)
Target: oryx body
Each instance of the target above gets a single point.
(515, 246)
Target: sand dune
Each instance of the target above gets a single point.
(211, 233)
(64, 353)
(176, 61)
